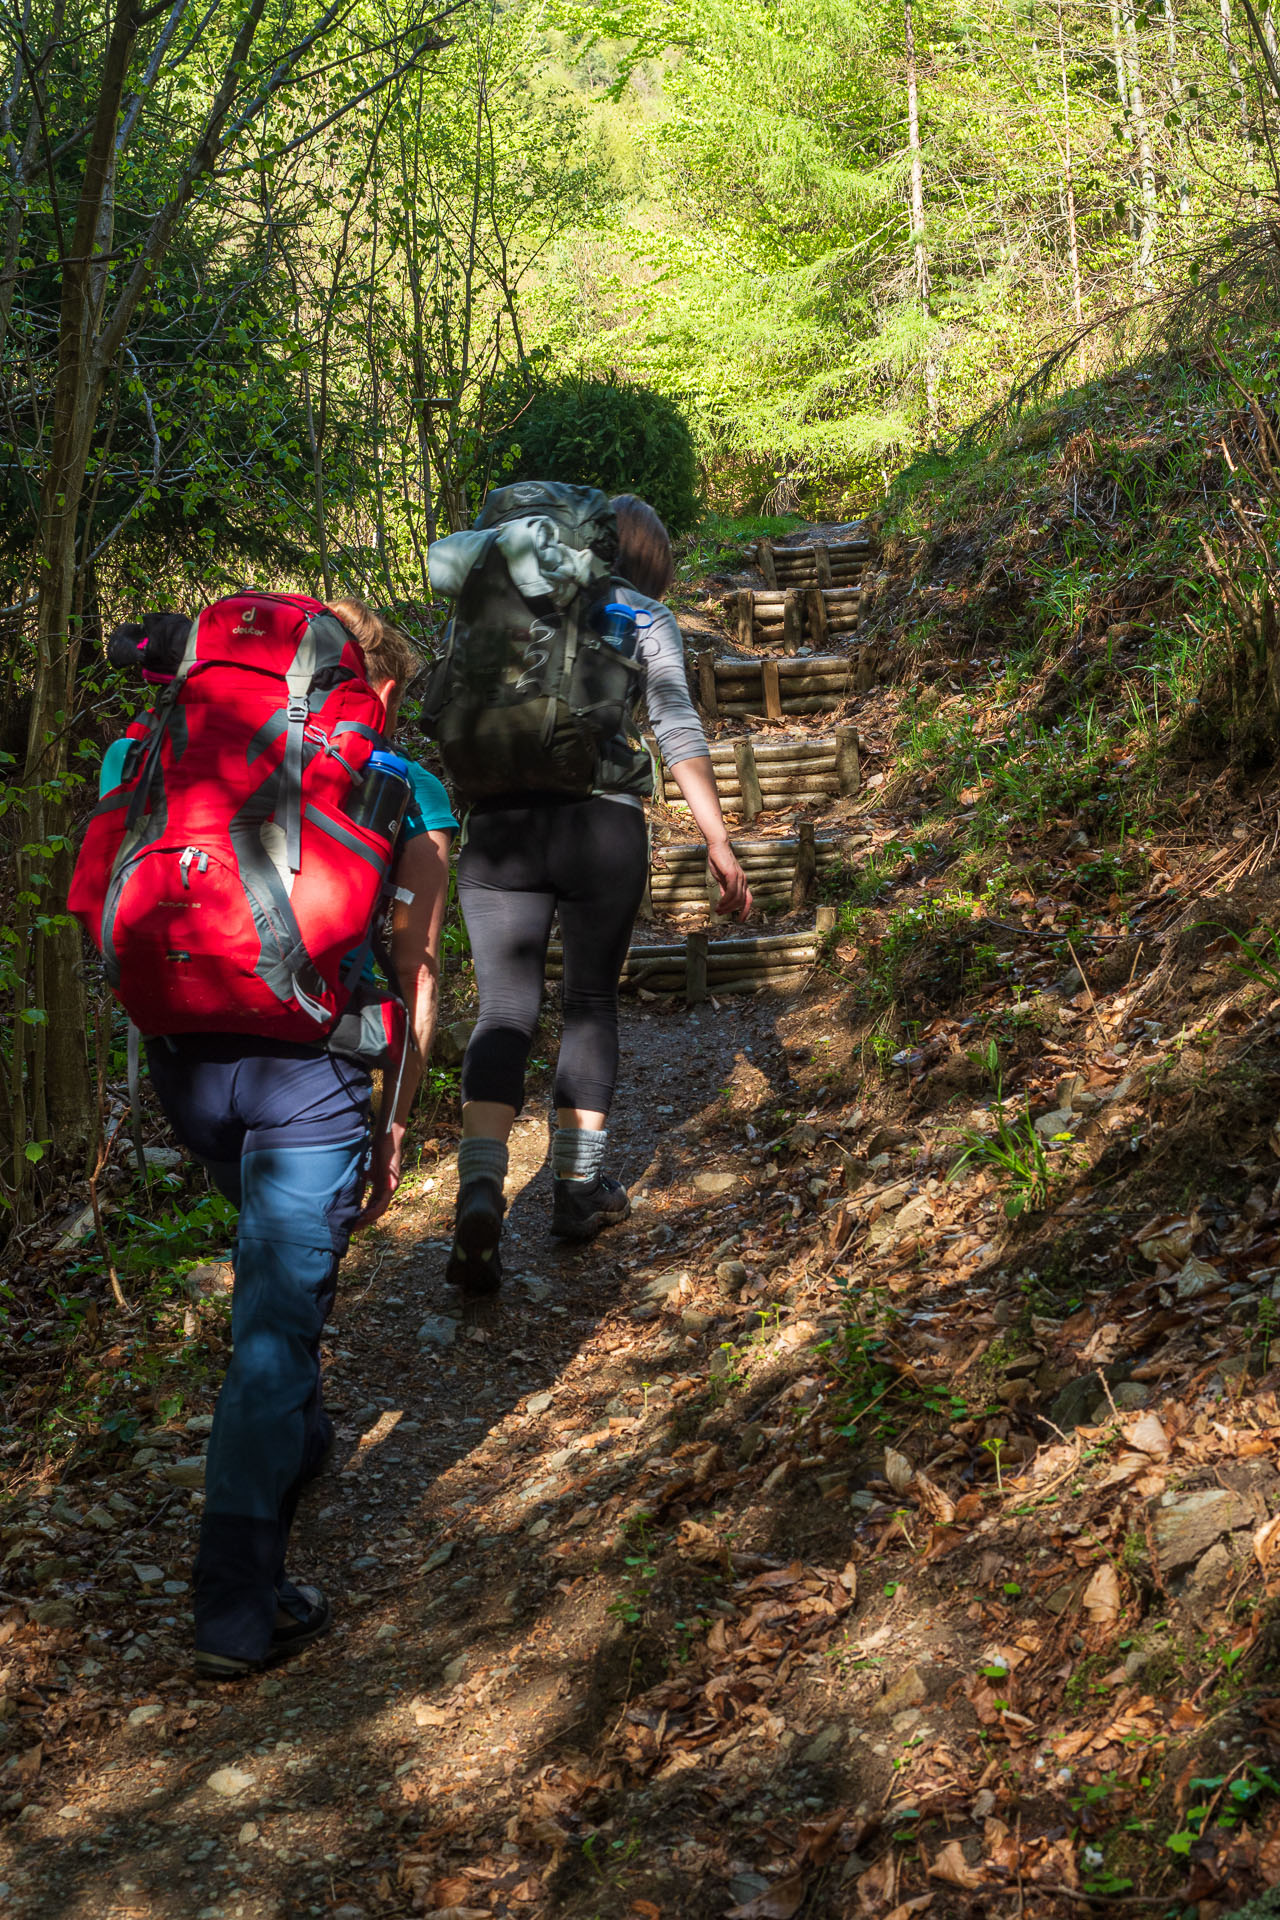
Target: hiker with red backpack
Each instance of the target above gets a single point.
(252, 832)
(559, 635)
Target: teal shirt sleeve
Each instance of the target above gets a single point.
(429, 808)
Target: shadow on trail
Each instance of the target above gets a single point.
(423, 1595)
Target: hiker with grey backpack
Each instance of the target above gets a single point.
(558, 637)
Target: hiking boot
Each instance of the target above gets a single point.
(582, 1208)
(302, 1615)
(475, 1263)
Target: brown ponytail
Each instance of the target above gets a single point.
(644, 547)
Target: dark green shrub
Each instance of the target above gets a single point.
(608, 434)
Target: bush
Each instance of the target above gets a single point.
(607, 434)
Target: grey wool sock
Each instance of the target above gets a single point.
(577, 1153)
(482, 1160)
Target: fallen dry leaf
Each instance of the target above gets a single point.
(646, 1910)
(1101, 1347)
(1269, 1861)
(1057, 1864)
(949, 1864)
(1000, 1845)
(937, 1503)
(818, 1838)
(425, 1715)
(876, 1885)
(1101, 1598)
(697, 1542)
(777, 1902)
(898, 1470)
(1266, 1541)
(1148, 1435)
(919, 1903)
(1167, 1241)
(453, 1891)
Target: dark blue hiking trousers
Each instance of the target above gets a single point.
(283, 1131)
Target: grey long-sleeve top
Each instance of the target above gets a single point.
(660, 651)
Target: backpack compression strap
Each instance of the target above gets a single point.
(298, 681)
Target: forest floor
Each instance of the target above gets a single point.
(880, 1523)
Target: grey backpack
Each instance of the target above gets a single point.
(529, 696)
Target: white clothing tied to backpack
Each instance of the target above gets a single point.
(540, 565)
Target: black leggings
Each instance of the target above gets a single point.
(587, 861)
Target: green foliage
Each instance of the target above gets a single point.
(859, 1355)
(721, 541)
(1258, 959)
(609, 434)
(630, 1605)
(1016, 1150)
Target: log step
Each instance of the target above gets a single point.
(760, 776)
(773, 687)
(698, 966)
(821, 564)
(778, 871)
(789, 614)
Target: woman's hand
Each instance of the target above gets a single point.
(735, 894)
(697, 782)
(384, 1174)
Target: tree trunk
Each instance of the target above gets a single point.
(917, 211)
(1146, 157)
(1117, 55)
(80, 379)
(315, 439)
(1237, 78)
(1178, 100)
(1068, 181)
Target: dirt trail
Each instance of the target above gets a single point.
(475, 1642)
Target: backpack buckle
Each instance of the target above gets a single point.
(298, 710)
(190, 854)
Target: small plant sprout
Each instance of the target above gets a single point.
(1258, 959)
(995, 1447)
(1017, 1151)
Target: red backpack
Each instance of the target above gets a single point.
(222, 882)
